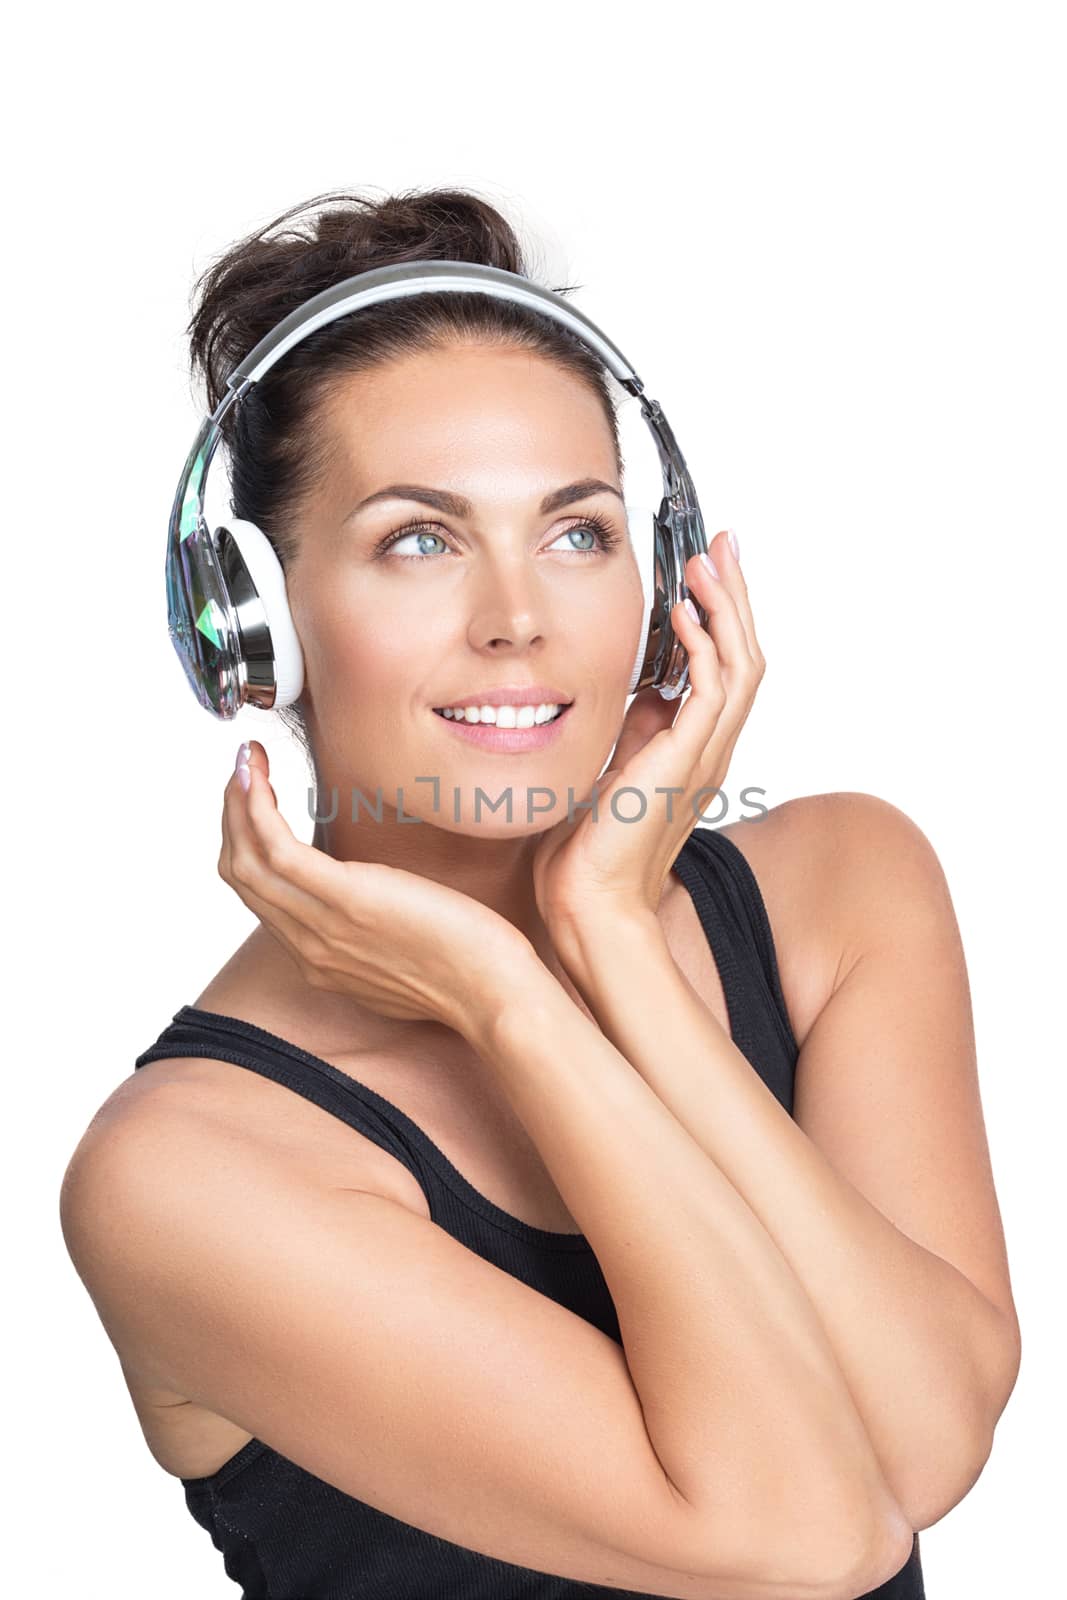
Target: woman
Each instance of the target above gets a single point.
(604, 1202)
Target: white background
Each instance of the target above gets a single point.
(830, 238)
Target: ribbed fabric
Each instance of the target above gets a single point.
(285, 1534)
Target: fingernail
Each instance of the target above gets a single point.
(691, 608)
(244, 752)
(732, 537)
(709, 563)
(244, 775)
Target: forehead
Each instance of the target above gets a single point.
(469, 414)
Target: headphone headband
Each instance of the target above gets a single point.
(228, 617)
(425, 277)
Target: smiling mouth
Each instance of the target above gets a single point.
(451, 715)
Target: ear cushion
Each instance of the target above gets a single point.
(265, 571)
(641, 520)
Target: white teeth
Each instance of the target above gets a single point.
(504, 716)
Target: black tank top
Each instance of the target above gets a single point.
(285, 1534)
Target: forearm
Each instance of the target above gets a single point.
(910, 1332)
(742, 1396)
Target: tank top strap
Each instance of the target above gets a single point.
(730, 904)
(193, 1032)
(454, 1203)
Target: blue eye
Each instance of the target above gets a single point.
(411, 530)
(600, 526)
(581, 528)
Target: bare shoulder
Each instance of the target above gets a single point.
(831, 851)
(802, 839)
(815, 858)
(141, 1116)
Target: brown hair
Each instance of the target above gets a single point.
(277, 456)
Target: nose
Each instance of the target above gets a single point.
(511, 607)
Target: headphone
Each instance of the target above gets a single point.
(228, 615)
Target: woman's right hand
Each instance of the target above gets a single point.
(401, 944)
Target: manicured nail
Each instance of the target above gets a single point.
(691, 608)
(244, 775)
(709, 563)
(732, 537)
(244, 753)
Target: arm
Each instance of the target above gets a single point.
(752, 1471)
(740, 1390)
(713, 1454)
(890, 1224)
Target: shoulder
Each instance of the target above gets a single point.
(827, 830)
(155, 1173)
(188, 1114)
(830, 869)
(833, 844)
(149, 1116)
(131, 1154)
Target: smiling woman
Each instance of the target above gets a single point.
(513, 1265)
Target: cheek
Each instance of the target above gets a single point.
(615, 623)
(359, 657)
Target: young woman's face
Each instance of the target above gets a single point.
(494, 595)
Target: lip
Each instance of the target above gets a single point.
(514, 695)
(507, 741)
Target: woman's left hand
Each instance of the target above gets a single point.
(586, 870)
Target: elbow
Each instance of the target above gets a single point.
(832, 1548)
(870, 1559)
(853, 1537)
(943, 1474)
(933, 1495)
(942, 1478)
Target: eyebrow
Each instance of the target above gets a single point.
(458, 506)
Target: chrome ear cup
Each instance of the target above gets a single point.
(661, 659)
(201, 622)
(229, 619)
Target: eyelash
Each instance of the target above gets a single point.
(609, 539)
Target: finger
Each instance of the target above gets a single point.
(719, 744)
(240, 866)
(268, 865)
(718, 660)
(724, 617)
(295, 865)
(732, 576)
(258, 758)
(675, 739)
(648, 714)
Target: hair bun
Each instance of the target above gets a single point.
(435, 225)
(313, 245)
